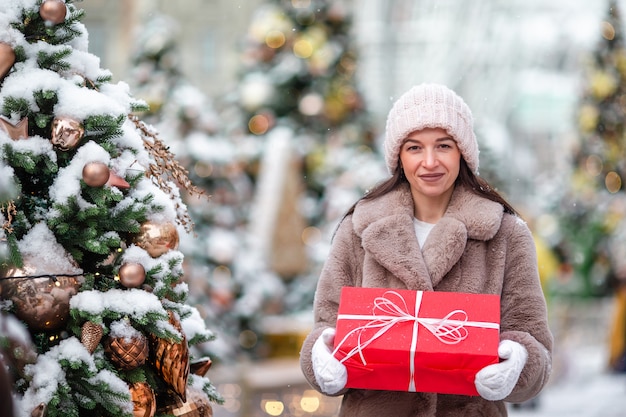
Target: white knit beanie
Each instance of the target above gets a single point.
(430, 105)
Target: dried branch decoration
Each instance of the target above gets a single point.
(166, 166)
(10, 211)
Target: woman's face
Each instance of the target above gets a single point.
(431, 160)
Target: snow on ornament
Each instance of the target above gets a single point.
(126, 347)
(41, 287)
(53, 11)
(66, 133)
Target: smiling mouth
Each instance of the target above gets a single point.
(431, 177)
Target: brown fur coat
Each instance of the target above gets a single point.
(474, 248)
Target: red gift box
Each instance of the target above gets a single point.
(416, 341)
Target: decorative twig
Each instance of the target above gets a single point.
(10, 211)
(166, 166)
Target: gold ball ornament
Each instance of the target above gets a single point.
(171, 359)
(144, 400)
(127, 352)
(157, 238)
(7, 59)
(66, 133)
(43, 303)
(196, 405)
(132, 275)
(53, 11)
(96, 174)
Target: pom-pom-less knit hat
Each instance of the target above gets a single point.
(430, 105)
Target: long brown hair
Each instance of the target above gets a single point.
(466, 178)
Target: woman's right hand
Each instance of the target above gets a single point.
(330, 374)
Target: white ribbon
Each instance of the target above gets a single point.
(451, 329)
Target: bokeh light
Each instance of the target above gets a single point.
(593, 165)
(274, 407)
(613, 182)
(259, 124)
(248, 339)
(608, 31)
(303, 48)
(301, 4)
(310, 403)
(311, 104)
(231, 394)
(275, 39)
(203, 169)
(311, 236)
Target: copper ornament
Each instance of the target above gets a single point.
(132, 275)
(7, 59)
(53, 11)
(117, 181)
(127, 353)
(157, 238)
(43, 303)
(15, 131)
(171, 359)
(40, 411)
(196, 405)
(201, 366)
(144, 400)
(66, 133)
(90, 335)
(96, 174)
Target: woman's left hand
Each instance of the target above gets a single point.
(495, 382)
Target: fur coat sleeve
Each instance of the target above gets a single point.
(341, 269)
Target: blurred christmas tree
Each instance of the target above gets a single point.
(298, 97)
(593, 205)
(228, 289)
(91, 215)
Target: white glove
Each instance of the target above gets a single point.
(495, 382)
(330, 374)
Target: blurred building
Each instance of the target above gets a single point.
(210, 33)
(517, 63)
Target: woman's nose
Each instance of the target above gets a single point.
(430, 158)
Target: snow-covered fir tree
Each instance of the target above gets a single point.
(228, 288)
(593, 205)
(91, 213)
(298, 95)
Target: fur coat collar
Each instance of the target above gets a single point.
(385, 226)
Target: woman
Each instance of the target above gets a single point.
(435, 226)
